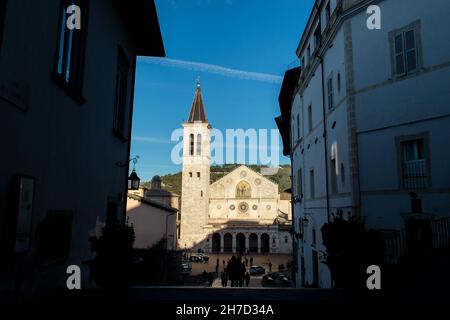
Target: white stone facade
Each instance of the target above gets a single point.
(241, 212)
(351, 128)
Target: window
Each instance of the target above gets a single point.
(405, 45)
(310, 118)
(317, 36)
(309, 53)
(191, 144)
(292, 132)
(121, 101)
(199, 144)
(327, 13)
(198, 174)
(314, 241)
(339, 82)
(333, 175)
(333, 167)
(342, 174)
(414, 164)
(312, 184)
(2, 20)
(285, 239)
(330, 92)
(201, 193)
(190, 174)
(298, 126)
(71, 47)
(299, 183)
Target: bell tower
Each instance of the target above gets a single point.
(195, 176)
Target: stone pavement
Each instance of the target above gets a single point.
(258, 259)
(255, 282)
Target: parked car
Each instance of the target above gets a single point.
(203, 256)
(257, 270)
(276, 279)
(199, 257)
(186, 265)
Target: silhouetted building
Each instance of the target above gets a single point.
(66, 101)
(365, 123)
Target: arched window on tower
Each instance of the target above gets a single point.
(191, 144)
(199, 144)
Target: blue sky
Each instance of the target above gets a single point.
(240, 49)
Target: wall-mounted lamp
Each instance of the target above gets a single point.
(305, 221)
(133, 180)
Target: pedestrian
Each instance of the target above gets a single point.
(222, 278)
(226, 278)
(270, 266)
(242, 271)
(247, 279)
(210, 279)
(251, 261)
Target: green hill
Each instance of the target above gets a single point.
(172, 182)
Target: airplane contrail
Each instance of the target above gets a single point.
(215, 69)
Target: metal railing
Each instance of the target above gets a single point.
(414, 174)
(400, 243)
(441, 232)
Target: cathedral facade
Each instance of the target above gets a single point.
(242, 212)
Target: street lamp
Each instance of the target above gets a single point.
(133, 179)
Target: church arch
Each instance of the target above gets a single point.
(199, 144)
(227, 242)
(216, 242)
(253, 242)
(191, 144)
(265, 243)
(240, 243)
(243, 190)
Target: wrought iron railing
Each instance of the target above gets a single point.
(400, 243)
(414, 175)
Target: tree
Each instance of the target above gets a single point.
(350, 250)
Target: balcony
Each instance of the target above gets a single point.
(420, 237)
(414, 175)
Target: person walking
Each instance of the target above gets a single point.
(270, 266)
(222, 278)
(210, 279)
(204, 276)
(247, 279)
(242, 271)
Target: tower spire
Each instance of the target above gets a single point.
(197, 110)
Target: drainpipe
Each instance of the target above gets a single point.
(295, 244)
(324, 121)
